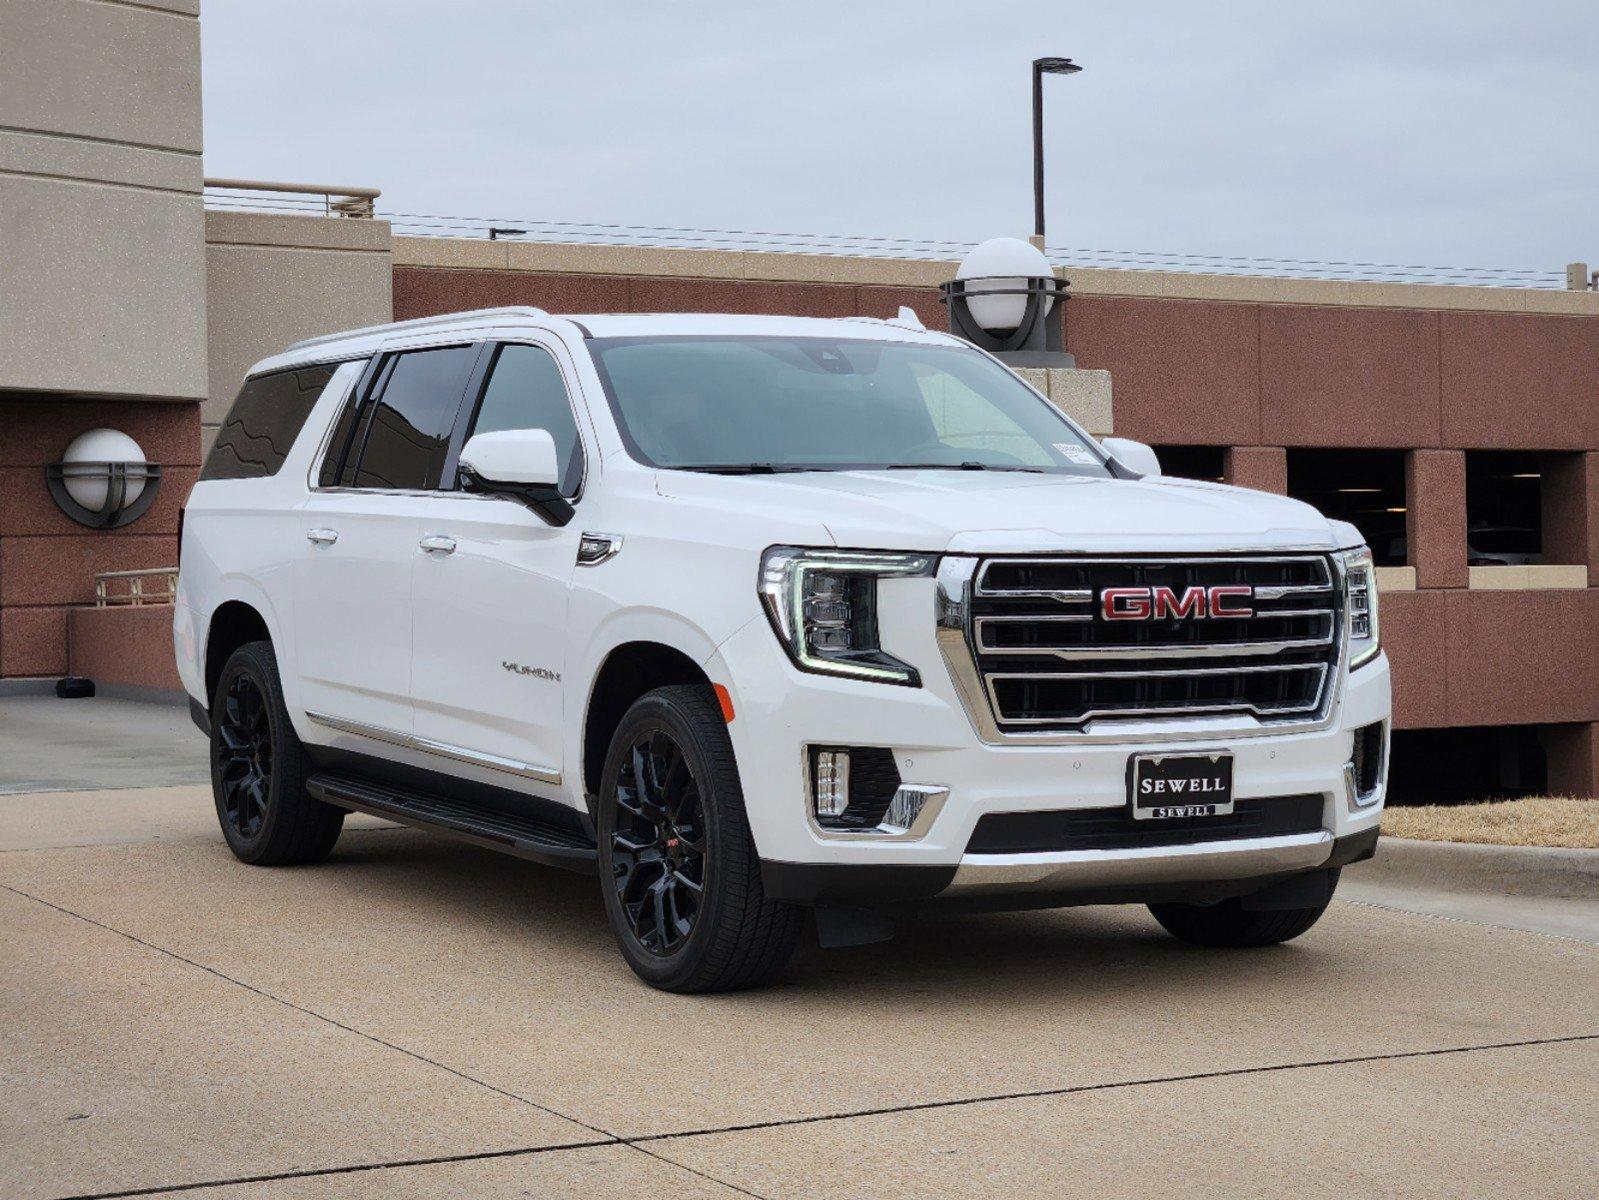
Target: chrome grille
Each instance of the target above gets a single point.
(1049, 657)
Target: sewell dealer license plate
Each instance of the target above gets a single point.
(1163, 787)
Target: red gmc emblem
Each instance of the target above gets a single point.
(1156, 603)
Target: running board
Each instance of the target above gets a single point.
(509, 833)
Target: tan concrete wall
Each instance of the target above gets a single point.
(102, 279)
(641, 262)
(272, 280)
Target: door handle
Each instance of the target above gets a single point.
(438, 543)
(322, 537)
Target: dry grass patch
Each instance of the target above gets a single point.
(1531, 821)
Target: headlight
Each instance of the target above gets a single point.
(823, 608)
(1360, 606)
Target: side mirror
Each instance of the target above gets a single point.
(519, 463)
(1135, 456)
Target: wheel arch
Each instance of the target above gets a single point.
(628, 671)
(234, 623)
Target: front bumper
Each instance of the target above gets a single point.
(782, 711)
(1203, 872)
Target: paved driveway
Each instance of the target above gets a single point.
(419, 1018)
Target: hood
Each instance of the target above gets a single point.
(1014, 512)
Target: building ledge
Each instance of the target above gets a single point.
(1396, 579)
(1528, 578)
(570, 258)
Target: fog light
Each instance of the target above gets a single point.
(1364, 771)
(831, 789)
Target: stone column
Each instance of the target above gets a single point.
(1571, 511)
(1573, 752)
(1435, 517)
(1264, 468)
(1083, 395)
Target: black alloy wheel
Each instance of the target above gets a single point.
(679, 873)
(244, 756)
(658, 859)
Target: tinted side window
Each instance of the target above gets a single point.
(408, 426)
(338, 462)
(265, 419)
(525, 391)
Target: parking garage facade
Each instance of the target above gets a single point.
(1456, 426)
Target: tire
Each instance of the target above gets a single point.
(1231, 925)
(259, 768)
(678, 868)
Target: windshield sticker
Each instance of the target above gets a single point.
(1077, 454)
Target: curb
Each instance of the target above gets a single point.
(1482, 869)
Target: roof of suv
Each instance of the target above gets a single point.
(491, 322)
(668, 324)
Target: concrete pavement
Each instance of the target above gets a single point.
(48, 744)
(416, 1017)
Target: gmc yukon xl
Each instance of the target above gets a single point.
(770, 622)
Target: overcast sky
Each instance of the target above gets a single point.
(1460, 132)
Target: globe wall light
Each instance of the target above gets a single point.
(1002, 300)
(103, 480)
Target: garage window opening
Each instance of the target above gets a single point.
(1206, 463)
(1364, 487)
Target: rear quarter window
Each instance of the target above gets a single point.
(265, 419)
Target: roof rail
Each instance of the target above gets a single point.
(417, 323)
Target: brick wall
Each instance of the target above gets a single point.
(47, 561)
(1258, 378)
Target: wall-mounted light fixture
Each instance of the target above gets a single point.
(103, 480)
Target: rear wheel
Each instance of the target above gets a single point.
(259, 768)
(681, 878)
(1230, 924)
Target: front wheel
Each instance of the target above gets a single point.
(1230, 924)
(681, 878)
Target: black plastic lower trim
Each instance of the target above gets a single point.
(1357, 847)
(403, 777)
(200, 717)
(899, 887)
(1056, 830)
(851, 884)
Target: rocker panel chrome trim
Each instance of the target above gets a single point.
(394, 737)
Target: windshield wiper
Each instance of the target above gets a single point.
(965, 466)
(759, 468)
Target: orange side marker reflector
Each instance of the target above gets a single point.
(725, 701)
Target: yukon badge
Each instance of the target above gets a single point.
(538, 672)
(1158, 603)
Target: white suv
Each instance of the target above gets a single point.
(756, 616)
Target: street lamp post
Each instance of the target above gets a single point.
(1042, 67)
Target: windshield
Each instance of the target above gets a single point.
(806, 403)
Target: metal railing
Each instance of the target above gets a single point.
(291, 197)
(329, 200)
(136, 592)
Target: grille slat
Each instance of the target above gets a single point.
(1050, 657)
